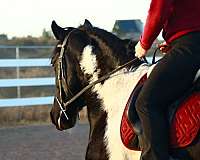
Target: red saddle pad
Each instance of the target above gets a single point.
(184, 128)
(186, 122)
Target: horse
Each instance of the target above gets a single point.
(82, 56)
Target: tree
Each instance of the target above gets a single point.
(46, 34)
(3, 37)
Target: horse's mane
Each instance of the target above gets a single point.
(112, 45)
(112, 51)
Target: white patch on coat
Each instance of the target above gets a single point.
(115, 93)
(88, 62)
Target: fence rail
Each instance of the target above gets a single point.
(14, 102)
(23, 82)
(33, 62)
(27, 82)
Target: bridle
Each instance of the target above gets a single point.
(61, 80)
(62, 84)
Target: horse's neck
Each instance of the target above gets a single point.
(111, 51)
(96, 65)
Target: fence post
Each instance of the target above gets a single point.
(18, 73)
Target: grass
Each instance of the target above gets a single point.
(24, 115)
(18, 116)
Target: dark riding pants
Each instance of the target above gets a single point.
(170, 78)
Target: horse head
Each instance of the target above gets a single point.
(75, 64)
(68, 73)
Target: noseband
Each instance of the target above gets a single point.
(63, 84)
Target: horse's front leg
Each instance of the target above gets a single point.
(96, 149)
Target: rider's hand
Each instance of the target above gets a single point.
(139, 51)
(164, 47)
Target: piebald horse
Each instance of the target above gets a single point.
(84, 55)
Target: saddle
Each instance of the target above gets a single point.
(184, 118)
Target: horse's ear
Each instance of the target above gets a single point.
(58, 31)
(87, 25)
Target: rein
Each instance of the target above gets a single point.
(62, 83)
(98, 81)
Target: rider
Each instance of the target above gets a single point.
(173, 75)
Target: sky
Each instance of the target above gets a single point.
(29, 17)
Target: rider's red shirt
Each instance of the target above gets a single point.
(175, 17)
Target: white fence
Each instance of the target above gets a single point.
(25, 82)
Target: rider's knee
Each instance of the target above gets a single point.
(147, 104)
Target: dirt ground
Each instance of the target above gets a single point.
(43, 142)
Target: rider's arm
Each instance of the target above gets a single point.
(158, 14)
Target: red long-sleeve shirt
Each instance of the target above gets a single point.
(175, 17)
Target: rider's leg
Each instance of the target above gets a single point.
(171, 77)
